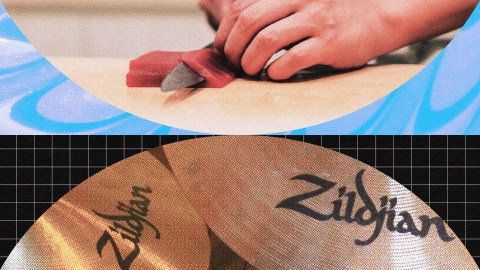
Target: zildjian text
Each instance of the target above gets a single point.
(129, 224)
(385, 215)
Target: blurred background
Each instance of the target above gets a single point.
(110, 28)
(129, 28)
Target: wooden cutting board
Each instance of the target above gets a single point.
(244, 106)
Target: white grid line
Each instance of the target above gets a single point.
(16, 188)
(344, 149)
(448, 191)
(139, 148)
(34, 179)
(393, 157)
(465, 190)
(429, 170)
(69, 162)
(88, 155)
(51, 167)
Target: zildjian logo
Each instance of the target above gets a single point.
(385, 215)
(129, 224)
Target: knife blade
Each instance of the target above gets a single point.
(182, 76)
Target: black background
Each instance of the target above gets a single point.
(36, 171)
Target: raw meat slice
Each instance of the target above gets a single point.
(150, 69)
(145, 79)
(211, 66)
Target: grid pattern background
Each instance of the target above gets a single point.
(36, 171)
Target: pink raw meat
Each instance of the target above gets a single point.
(149, 70)
(211, 66)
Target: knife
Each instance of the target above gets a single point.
(182, 76)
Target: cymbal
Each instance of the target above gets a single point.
(283, 204)
(132, 215)
(224, 258)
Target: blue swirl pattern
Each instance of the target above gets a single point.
(35, 98)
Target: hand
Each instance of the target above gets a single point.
(338, 33)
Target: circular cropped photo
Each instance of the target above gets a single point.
(239, 67)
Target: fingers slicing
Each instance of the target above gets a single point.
(229, 21)
(271, 40)
(303, 55)
(250, 22)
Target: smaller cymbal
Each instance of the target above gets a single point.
(132, 215)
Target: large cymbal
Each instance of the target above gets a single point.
(283, 204)
(130, 215)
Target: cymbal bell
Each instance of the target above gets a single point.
(283, 204)
(132, 215)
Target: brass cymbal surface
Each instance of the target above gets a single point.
(283, 204)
